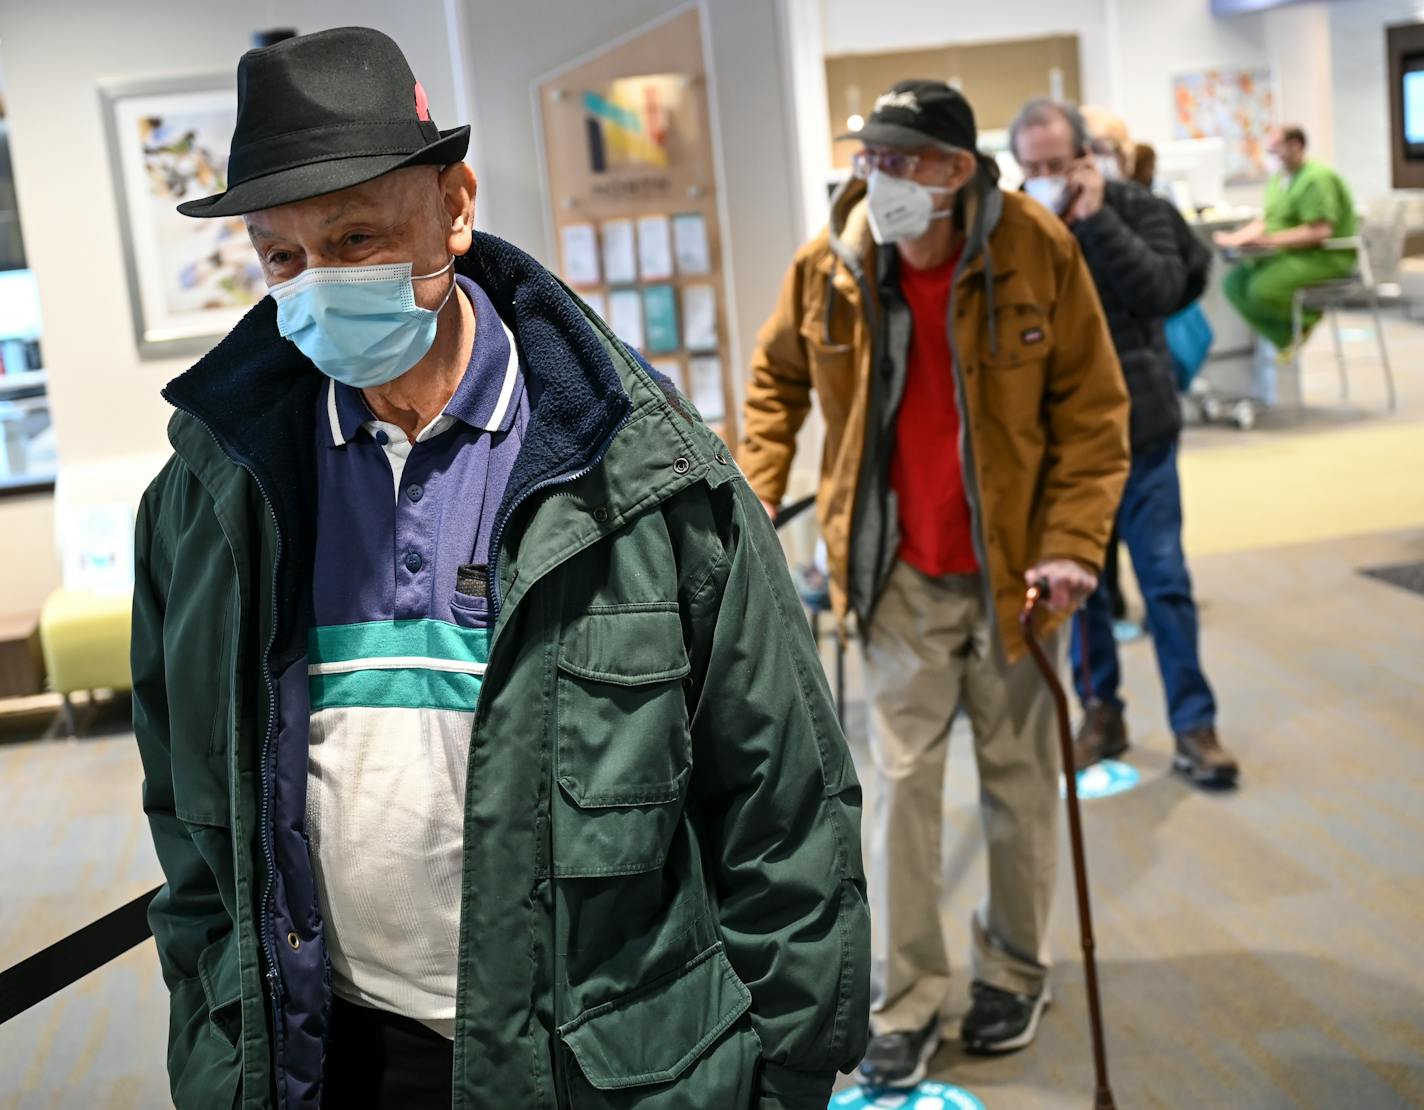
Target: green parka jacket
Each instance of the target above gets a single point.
(663, 899)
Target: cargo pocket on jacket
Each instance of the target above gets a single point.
(624, 747)
(679, 1041)
(222, 987)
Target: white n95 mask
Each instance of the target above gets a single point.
(900, 208)
(1048, 191)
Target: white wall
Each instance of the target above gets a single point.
(1361, 89)
(1129, 50)
(104, 399)
(858, 27)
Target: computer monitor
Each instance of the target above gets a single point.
(1197, 164)
(1412, 101)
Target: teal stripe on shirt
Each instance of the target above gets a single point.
(429, 639)
(395, 689)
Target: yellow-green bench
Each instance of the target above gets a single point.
(85, 638)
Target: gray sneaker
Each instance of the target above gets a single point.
(899, 1059)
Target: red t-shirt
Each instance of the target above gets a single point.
(936, 532)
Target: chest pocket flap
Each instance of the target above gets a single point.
(624, 749)
(1025, 336)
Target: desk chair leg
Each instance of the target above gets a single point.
(1297, 326)
(1339, 355)
(1384, 352)
(71, 720)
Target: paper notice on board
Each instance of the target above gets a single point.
(598, 302)
(705, 373)
(689, 236)
(620, 254)
(699, 317)
(625, 316)
(580, 243)
(660, 319)
(654, 248)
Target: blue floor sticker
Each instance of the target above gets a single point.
(929, 1095)
(1124, 632)
(1104, 779)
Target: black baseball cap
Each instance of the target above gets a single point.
(916, 112)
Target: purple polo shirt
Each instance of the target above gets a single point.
(396, 661)
(397, 520)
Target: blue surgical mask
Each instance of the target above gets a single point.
(359, 324)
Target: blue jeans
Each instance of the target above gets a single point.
(1149, 520)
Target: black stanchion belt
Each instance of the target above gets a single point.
(67, 961)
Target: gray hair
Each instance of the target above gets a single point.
(1041, 111)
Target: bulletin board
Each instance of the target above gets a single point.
(630, 177)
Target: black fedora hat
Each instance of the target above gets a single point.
(323, 112)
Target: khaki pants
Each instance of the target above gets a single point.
(930, 649)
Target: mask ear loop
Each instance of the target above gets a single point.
(436, 273)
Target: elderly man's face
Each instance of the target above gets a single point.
(421, 215)
(1046, 150)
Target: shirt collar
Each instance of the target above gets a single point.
(486, 397)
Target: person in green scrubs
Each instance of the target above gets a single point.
(1306, 204)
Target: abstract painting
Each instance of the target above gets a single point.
(1235, 104)
(190, 280)
(629, 122)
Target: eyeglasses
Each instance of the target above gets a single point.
(892, 163)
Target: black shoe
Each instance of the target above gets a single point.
(1102, 735)
(1001, 1021)
(1201, 757)
(899, 1059)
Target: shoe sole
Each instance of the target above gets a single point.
(1225, 776)
(914, 1079)
(1013, 1044)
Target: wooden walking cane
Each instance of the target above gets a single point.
(1103, 1097)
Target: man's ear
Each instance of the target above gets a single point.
(965, 167)
(457, 193)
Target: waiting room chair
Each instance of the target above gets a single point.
(1360, 287)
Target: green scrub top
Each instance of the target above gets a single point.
(1315, 194)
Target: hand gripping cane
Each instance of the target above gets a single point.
(1102, 1098)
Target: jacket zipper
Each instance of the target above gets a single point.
(863, 610)
(562, 479)
(966, 447)
(268, 849)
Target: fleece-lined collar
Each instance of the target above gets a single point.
(257, 395)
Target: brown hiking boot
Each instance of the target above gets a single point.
(1201, 757)
(1102, 735)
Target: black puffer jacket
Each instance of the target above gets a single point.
(1132, 251)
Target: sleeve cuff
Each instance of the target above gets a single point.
(783, 1088)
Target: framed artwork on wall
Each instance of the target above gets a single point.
(189, 280)
(1236, 104)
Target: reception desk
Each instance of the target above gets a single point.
(1231, 373)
